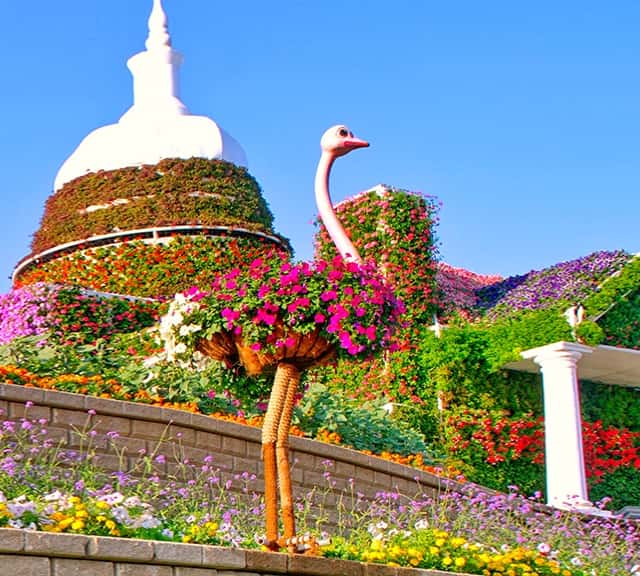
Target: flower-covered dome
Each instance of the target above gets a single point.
(154, 204)
(158, 125)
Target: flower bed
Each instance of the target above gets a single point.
(67, 314)
(458, 289)
(564, 284)
(146, 269)
(172, 192)
(54, 489)
(395, 229)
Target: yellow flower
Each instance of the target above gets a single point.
(211, 528)
(440, 542)
(447, 561)
(460, 562)
(77, 525)
(110, 524)
(66, 522)
(102, 505)
(74, 500)
(457, 541)
(434, 550)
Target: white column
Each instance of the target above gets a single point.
(564, 459)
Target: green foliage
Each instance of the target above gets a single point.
(613, 405)
(614, 289)
(363, 426)
(460, 370)
(589, 333)
(521, 331)
(621, 324)
(622, 486)
(172, 192)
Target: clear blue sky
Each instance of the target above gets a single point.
(522, 118)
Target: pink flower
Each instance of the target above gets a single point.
(264, 316)
(328, 295)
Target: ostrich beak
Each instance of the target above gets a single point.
(353, 143)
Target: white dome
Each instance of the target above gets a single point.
(158, 125)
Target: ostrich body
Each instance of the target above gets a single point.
(336, 142)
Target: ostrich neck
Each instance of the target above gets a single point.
(328, 215)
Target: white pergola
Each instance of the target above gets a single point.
(561, 363)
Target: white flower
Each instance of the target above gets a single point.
(181, 348)
(187, 329)
(132, 501)
(113, 498)
(150, 361)
(52, 496)
(544, 548)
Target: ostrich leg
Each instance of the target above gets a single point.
(292, 374)
(269, 437)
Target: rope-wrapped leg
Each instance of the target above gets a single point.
(269, 437)
(292, 375)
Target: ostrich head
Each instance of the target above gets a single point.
(339, 140)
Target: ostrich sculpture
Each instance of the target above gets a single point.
(226, 322)
(335, 142)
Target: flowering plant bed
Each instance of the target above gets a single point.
(172, 192)
(396, 229)
(145, 269)
(560, 285)
(52, 489)
(274, 306)
(67, 314)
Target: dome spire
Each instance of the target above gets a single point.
(158, 125)
(158, 28)
(156, 86)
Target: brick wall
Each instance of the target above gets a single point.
(24, 553)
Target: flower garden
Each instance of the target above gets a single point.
(442, 402)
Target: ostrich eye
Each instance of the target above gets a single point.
(343, 132)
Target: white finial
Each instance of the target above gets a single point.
(158, 125)
(158, 28)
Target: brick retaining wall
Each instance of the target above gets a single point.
(24, 553)
(234, 447)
